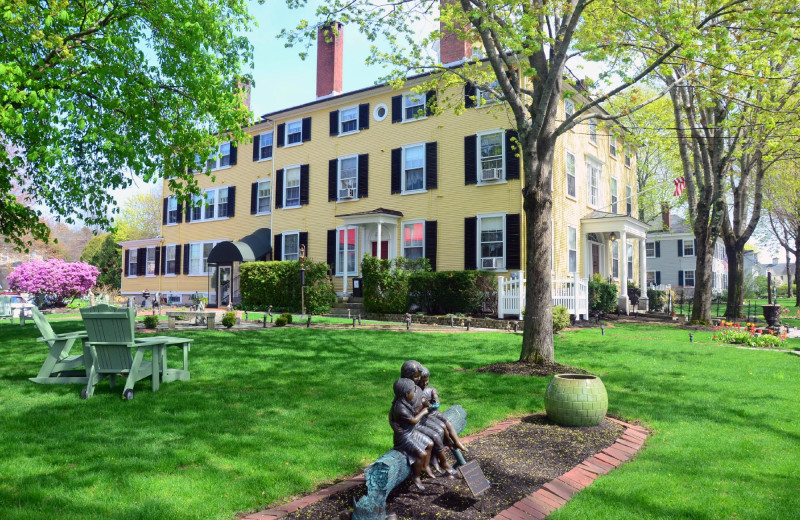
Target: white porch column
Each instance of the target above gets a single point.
(622, 258)
(344, 267)
(378, 248)
(643, 300)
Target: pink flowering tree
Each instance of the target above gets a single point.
(53, 282)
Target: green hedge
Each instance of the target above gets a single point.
(656, 299)
(385, 283)
(278, 284)
(446, 292)
(602, 295)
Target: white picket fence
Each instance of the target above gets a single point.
(660, 287)
(571, 293)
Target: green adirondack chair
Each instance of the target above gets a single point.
(5, 308)
(115, 350)
(59, 367)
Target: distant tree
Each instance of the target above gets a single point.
(103, 252)
(53, 282)
(140, 217)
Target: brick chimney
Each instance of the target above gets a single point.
(451, 49)
(665, 223)
(244, 86)
(329, 60)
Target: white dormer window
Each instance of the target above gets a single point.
(413, 106)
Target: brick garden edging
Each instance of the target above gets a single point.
(537, 505)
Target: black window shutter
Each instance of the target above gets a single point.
(158, 260)
(127, 270)
(658, 249)
(332, 249)
(141, 261)
(304, 180)
(363, 175)
(431, 227)
(234, 153)
(231, 201)
(306, 129)
(469, 95)
(254, 198)
(281, 135)
(163, 260)
(695, 247)
(397, 109)
(513, 258)
(256, 147)
(278, 247)
(680, 249)
(658, 277)
(177, 259)
(279, 188)
(304, 241)
(430, 102)
(363, 116)
(334, 119)
(680, 278)
(512, 155)
(186, 259)
(431, 165)
(166, 210)
(397, 158)
(333, 177)
(188, 211)
(180, 213)
(470, 159)
(470, 243)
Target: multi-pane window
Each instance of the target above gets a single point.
(265, 146)
(651, 278)
(198, 257)
(688, 248)
(628, 201)
(593, 131)
(629, 247)
(486, 96)
(348, 177)
(413, 106)
(628, 155)
(197, 207)
(151, 261)
(688, 278)
(291, 246)
(650, 249)
(292, 195)
(572, 248)
(612, 146)
(172, 210)
(212, 204)
(221, 157)
(414, 168)
(569, 108)
(491, 156)
(593, 183)
(264, 196)
(346, 248)
(348, 120)
(615, 259)
(613, 195)
(571, 175)
(294, 132)
(222, 203)
(133, 263)
(492, 246)
(414, 240)
(170, 267)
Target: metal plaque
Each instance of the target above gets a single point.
(473, 475)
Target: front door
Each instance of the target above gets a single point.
(384, 249)
(595, 258)
(224, 285)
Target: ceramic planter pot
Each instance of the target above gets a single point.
(772, 314)
(576, 400)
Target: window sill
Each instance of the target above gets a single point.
(342, 201)
(265, 160)
(261, 214)
(202, 220)
(351, 132)
(170, 224)
(221, 168)
(573, 199)
(613, 156)
(415, 192)
(151, 275)
(170, 275)
(593, 144)
(293, 145)
(292, 207)
(197, 274)
(404, 121)
(349, 275)
(492, 183)
(132, 276)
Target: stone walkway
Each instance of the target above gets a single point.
(538, 504)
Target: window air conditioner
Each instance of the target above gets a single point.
(491, 174)
(491, 263)
(347, 193)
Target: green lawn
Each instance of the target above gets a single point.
(273, 413)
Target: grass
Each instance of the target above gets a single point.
(270, 414)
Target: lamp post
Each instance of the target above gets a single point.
(302, 279)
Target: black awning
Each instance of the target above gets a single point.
(253, 247)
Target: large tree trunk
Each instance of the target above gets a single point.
(701, 307)
(733, 311)
(788, 276)
(537, 337)
(797, 265)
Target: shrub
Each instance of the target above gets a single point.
(287, 316)
(634, 293)
(560, 318)
(735, 333)
(446, 292)
(53, 282)
(280, 321)
(78, 304)
(150, 322)
(602, 295)
(278, 284)
(229, 320)
(657, 299)
(385, 282)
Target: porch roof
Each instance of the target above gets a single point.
(604, 222)
(375, 216)
(250, 248)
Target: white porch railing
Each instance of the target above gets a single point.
(660, 287)
(571, 293)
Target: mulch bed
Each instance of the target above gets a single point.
(516, 462)
(521, 368)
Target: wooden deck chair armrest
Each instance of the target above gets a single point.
(147, 341)
(98, 343)
(68, 335)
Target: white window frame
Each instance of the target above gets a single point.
(193, 246)
(647, 250)
(613, 188)
(569, 108)
(424, 169)
(261, 146)
(165, 260)
(172, 212)
(286, 143)
(615, 258)
(203, 206)
(574, 195)
(628, 151)
(628, 200)
(283, 245)
(340, 185)
(629, 259)
(647, 279)
(342, 253)
(479, 241)
(133, 264)
(484, 97)
(286, 188)
(410, 95)
(593, 200)
(479, 159)
(572, 254)
(218, 158)
(268, 182)
(151, 251)
(342, 131)
(593, 131)
(690, 243)
(612, 146)
(685, 277)
(411, 223)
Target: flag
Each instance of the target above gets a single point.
(680, 185)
